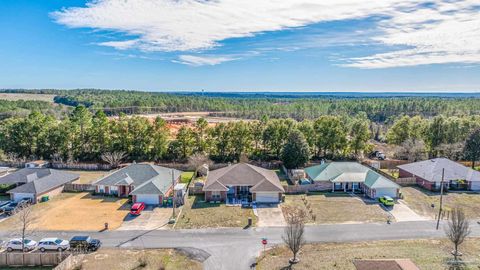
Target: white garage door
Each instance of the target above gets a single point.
(19, 196)
(392, 192)
(148, 198)
(267, 197)
(476, 185)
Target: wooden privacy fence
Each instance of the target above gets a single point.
(78, 187)
(406, 181)
(81, 166)
(195, 191)
(290, 189)
(8, 259)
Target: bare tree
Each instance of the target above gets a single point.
(197, 160)
(113, 158)
(458, 229)
(411, 150)
(24, 219)
(294, 232)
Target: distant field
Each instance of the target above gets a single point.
(23, 96)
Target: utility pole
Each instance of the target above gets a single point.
(173, 193)
(441, 198)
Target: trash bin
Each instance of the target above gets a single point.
(249, 222)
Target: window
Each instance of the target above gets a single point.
(215, 195)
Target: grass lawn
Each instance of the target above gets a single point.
(87, 177)
(198, 214)
(336, 208)
(122, 259)
(283, 178)
(75, 211)
(393, 172)
(420, 200)
(427, 254)
(186, 176)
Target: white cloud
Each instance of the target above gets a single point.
(196, 60)
(442, 32)
(446, 33)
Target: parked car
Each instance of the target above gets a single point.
(53, 244)
(137, 208)
(387, 201)
(13, 207)
(84, 243)
(377, 155)
(16, 244)
(3, 205)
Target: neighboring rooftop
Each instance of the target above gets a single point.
(146, 178)
(37, 180)
(431, 170)
(243, 174)
(384, 264)
(339, 172)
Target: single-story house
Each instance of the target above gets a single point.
(243, 182)
(385, 264)
(428, 174)
(34, 183)
(351, 177)
(146, 183)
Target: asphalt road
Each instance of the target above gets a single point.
(235, 248)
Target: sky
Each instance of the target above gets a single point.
(248, 45)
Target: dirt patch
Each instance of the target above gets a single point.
(139, 259)
(336, 208)
(76, 211)
(427, 254)
(24, 96)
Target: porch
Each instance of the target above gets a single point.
(356, 187)
(239, 194)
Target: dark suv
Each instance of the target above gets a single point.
(13, 207)
(84, 243)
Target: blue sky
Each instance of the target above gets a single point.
(226, 45)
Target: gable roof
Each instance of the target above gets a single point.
(338, 172)
(431, 170)
(385, 264)
(243, 174)
(38, 180)
(146, 178)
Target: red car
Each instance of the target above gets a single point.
(137, 208)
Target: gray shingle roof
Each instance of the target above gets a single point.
(431, 170)
(146, 178)
(243, 174)
(38, 180)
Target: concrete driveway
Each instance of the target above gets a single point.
(152, 218)
(270, 215)
(401, 212)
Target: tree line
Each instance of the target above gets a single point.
(84, 136)
(380, 109)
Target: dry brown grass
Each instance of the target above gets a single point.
(336, 208)
(196, 214)
(420, 200)
(87, 177)
(22, 96)
(76, 211)
(427, 254)
(152, 259)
